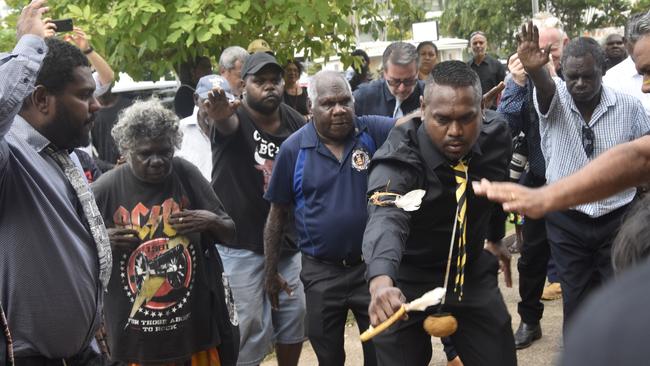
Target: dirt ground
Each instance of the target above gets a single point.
(542, 353)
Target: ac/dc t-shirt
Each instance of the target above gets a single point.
(243, 163)
(159, 306)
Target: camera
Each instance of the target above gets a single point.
(63, 25)
(519, 159)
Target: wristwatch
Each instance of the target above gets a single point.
(88, 50)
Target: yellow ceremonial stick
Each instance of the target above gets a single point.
(371, 332)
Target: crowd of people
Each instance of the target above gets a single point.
(256, 213)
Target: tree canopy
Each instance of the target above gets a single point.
(501, 20)
(147, 38)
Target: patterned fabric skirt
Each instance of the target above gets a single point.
(204, 358)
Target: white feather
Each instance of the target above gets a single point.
(410, 201)
(430, 298)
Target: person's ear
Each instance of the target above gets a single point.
(196, 99)
(42, 100)
(423, 106)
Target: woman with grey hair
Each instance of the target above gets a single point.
(167, 301)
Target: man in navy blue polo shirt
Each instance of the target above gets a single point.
(322, 172)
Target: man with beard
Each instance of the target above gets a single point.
(56, 258)
(580, 119)
(246, 138)
(322, 171)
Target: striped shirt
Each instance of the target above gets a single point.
(618, 118)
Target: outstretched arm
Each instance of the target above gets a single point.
(18, 69)
(534, 59)
(104, 71)
(624, 166)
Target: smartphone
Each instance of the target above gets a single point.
(63, 25)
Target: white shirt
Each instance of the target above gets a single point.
(100, 89)
(196, 147)
(617, 119)
(624, 78)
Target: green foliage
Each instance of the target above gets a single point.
(501, 20)
(640, 6)
(8, 28)
(146, 38)
(572, 13)
(399, 27)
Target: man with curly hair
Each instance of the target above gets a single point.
(55, 256)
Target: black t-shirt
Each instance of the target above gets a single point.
(91, 170)
(243, 163)
(298, 102)
(164, 298)
(107, 151)
(490, 71)
(184, 101)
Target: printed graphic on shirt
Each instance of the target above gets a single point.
(360, 159)
(158, 276)
(265, 153)
(230, 300)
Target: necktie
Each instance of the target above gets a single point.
(91, 212)
(397, 113)
(460, 173)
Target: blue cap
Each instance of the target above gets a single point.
(209, 82)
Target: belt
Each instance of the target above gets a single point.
(342, 263)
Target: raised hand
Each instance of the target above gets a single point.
(517, 70)
(218, 108)
(50, 28)
(79, 38)
(30, 20)
(531, 56)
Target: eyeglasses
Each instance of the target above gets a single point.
(588, 138)
(406, 82)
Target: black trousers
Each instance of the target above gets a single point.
(581, 247)
(532, 266)
(330, 291)
(497, 227)
(533, 263)
(484, 336)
